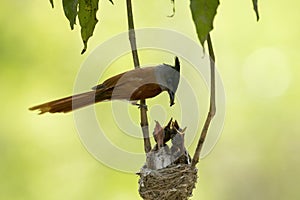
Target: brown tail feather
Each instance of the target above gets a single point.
(71, 103)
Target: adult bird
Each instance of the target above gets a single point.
(133, 85)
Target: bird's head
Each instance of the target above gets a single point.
(168, 77)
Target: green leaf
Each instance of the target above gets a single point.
(70, 9)
(255, 7)
(87, 19)
(52, 4)
(203, 13)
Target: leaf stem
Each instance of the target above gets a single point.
(212, 107)
(143, 106)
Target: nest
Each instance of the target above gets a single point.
(167, 173)
(175, 182)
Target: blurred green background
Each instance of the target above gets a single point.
(257, 156)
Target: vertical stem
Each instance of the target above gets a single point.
(212, 75)
(132, 35)
(212, 106)
(143, 107)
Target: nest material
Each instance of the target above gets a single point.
(175, 182)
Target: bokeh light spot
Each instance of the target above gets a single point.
(266, 73)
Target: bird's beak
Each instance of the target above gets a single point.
(172, 96)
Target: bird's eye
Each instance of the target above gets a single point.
(169, 81)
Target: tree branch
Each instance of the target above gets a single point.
(143, 107)
(212, 107)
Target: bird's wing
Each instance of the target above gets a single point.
(109, 83)
(135, 76)
(137, 84)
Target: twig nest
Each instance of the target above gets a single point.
(167, 173)
(176, 182)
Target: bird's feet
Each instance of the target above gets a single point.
(140, 105)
